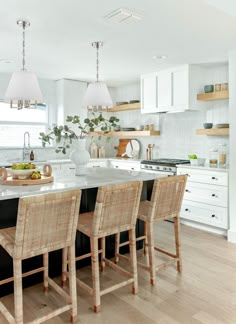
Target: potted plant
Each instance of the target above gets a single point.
(64, 135)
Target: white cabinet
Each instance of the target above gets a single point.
(98, 164)
(149, 93)
(206, 197)
(172, 90)
(125, 165)
(164, 91)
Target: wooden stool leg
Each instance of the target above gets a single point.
(72, 281)
(18, 297)
(145, 240)
(117, 247)
(45, 271)
(64, 265)
(178, 243)
(95, 275)
(151, 253)
(103, 247)
(133, 259)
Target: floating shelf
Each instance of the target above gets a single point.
(213, 131)
(128, 133)
(131, 106)
(217, 95)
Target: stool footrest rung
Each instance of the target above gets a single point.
(165, 264)
(59, 290)
(51, 315)
(116, 267)
(25, 274)
(165, 252)
(116, 286)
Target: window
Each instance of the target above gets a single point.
(14, 123)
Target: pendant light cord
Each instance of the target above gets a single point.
(23, 47)
(97, 45)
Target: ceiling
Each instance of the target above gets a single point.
(58, 42)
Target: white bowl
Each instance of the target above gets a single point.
(21, 174)
(194, 161)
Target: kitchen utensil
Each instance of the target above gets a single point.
(208, 88)
(207, 125)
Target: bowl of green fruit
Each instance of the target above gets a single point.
(22, 171)
(193, 159)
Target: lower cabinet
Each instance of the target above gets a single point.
(125, 165)
(206, 197)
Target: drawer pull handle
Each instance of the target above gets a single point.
(214, 195)
(186, 209)
(213, 216)
(132, 168)
(188, 190)
(214, 178)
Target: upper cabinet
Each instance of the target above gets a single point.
(149, 93)
(171, 90)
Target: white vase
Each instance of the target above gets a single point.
(80, 157)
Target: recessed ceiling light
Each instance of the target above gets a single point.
(159, 57)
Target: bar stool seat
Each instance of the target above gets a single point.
(45, 223)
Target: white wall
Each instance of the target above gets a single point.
(232, 141)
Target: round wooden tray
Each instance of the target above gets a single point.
(46, 177)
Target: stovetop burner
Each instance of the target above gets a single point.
(167, 162)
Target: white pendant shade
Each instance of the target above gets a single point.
(24, 86)
(97, 95)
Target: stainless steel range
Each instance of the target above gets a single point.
(162, 165)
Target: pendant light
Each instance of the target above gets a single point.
(23, 90)
(97, 95)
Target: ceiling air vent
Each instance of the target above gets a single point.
(123, 16)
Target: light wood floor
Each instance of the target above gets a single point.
(205, 292)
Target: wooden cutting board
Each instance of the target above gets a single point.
(121, 148)
(46, 177)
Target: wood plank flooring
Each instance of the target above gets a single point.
(205, 292)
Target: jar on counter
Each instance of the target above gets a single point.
(222, 155)
(94, 151)
(213, 161)
(101, 152)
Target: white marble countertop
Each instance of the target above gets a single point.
(204, 167)
(62, 182)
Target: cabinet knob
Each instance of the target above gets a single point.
(214, 195)
(187, 190)
(186, 209)
(214, 178)
(132, 168)
(213, 216)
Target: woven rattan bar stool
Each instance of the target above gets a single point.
(165, 203)
(45, 223)
(115, 211)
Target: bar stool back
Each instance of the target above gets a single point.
(165, 203)
(45, 223)
(115, 211)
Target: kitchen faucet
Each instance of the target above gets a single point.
(26, 149)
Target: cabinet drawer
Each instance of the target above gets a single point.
(208, 194)
(205, 176)
(206, 214)
(99, 164)
(125, 165)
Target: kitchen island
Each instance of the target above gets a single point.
(9, 196)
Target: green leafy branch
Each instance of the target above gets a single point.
(64, 134)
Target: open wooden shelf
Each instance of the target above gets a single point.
(217, 95)
(131, 106)
(213, 131)
(128, 133)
